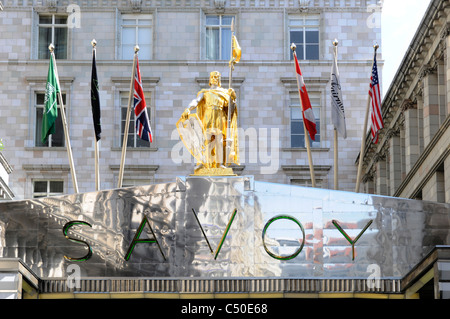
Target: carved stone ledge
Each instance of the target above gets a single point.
(393, 132)
(303, 5)
(369, 177)
(427, 70)
(408, 105)
(401, 121)
(219, 4)
(51, 3)
(136, 4)
(379, 157)
(445, 31)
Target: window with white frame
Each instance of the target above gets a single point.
(130, 182)
(304, 33)
(137, 30)
(133, 139)
(297, 128)
(52, 29)
(218, 37)
(45, 188)
(53, 140)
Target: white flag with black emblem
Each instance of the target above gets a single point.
(337, 109)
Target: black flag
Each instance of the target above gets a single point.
(95, 99)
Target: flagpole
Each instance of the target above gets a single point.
(97, 168)
(228, 139)
(308, 147)
(127, 123)
(64, 122)
(232, 62)
(336, 161)
(363, 140)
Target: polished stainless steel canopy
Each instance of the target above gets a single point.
(191, 231)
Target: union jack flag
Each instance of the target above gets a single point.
(140, 108)
(374, 92)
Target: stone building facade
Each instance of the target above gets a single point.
(412, 159)
(5, 169)
(181, 42)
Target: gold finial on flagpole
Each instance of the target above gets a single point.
(136, 48)
(51, 47)
(93, 43)
(335, 42)
(293, 47)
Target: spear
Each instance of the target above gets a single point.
(235, 56)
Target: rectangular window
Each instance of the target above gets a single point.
(52, 29)
(133, 138)
(129, 182)
(304, 32)
(45, 188)
(137, 30)
(54, 140)
(218, 37)
(297, 128)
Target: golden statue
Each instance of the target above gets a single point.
(210, 134)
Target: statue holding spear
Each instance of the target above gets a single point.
(210, 134)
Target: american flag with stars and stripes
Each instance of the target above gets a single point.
(374, 92)
(140, 108)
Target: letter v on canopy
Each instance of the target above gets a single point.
(224, 235)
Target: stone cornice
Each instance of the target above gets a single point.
(5, 164)
(301, 6)
(313, 83)
(136, 168)
(42, 79)
(236, 81)
(46, 167)
(152, 81)
(320, 170)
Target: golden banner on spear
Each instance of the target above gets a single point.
(236, 51)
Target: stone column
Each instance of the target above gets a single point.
(381, 181)
(402, 147)
(442, 90)
(420, 122)
(369, 183)
(447, 179)
(395, 160)
(412, 150)
(430, 104)
(434, 189)
(446, 39)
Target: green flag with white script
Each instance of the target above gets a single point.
(51, 103)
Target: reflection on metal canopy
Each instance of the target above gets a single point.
(216, 227)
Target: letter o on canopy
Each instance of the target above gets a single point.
(269, 222)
